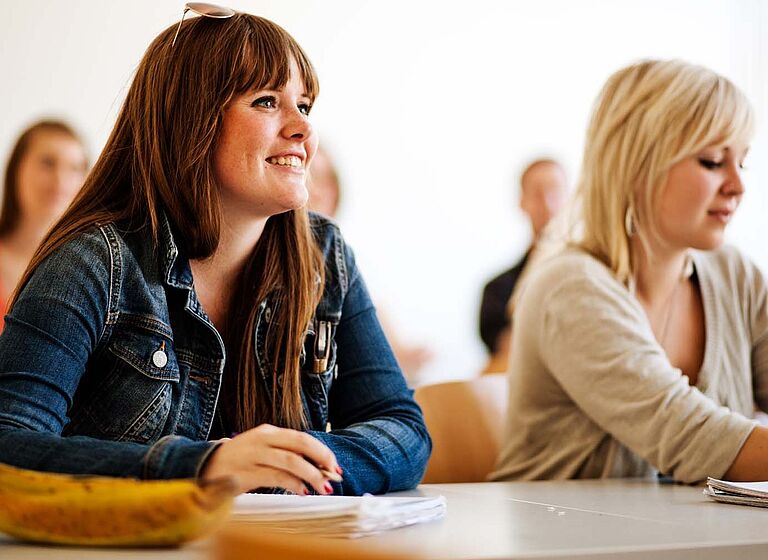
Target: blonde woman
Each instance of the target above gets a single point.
(643, 346)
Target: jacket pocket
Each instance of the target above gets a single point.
(134, 384)
(318, 371)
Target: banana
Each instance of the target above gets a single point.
(104, 511)
(38, 482)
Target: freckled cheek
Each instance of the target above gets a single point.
(229, 157)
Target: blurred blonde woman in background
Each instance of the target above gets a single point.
(46, 168)
(643, 346)
(324, 198)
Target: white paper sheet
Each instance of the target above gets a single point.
(336, 516)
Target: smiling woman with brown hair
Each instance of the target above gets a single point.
(187, 295)
(643, 346)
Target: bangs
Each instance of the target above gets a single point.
(726, 117)
(265, 61)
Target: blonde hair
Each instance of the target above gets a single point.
(648, 117)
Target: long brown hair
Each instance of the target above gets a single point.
(159, 157)
(10, 213)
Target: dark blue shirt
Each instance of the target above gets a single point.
(494, 314)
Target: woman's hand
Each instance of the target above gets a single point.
(270, 456)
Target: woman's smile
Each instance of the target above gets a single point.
(288, 162)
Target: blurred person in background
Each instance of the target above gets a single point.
(45, 170)
(324, 187)
(543, 191)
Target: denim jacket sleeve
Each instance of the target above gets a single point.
(378, 432)
(55, 326)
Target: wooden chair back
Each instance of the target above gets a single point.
(466, 421)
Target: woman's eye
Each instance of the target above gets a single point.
(710, 164)
(305, 108)
(268, 102)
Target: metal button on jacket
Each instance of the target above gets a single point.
(160, 358)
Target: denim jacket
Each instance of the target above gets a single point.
(110, 366)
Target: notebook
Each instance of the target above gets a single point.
(336, 516)
(742, 493)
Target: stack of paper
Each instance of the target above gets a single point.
(743, 493)
(335, 516)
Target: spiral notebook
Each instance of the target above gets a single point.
(741, 493)
(336, 516)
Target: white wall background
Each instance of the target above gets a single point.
(430, 108)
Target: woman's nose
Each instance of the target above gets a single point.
(734, 185)
(297, 125)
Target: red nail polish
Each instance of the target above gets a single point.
(328, 488)
(306, 492)
(339, 469)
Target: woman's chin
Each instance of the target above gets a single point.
(299, 200)
(709, 244)
(292, 203)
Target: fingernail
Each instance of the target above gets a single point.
(306, 492)
(339, 469)
(328, 488)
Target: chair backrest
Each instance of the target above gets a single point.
(466, 421)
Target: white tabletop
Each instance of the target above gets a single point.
(628, 519)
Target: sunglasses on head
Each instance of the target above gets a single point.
(206, 10)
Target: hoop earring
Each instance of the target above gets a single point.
(629, 221)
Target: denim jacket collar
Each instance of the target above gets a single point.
(176, 269)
